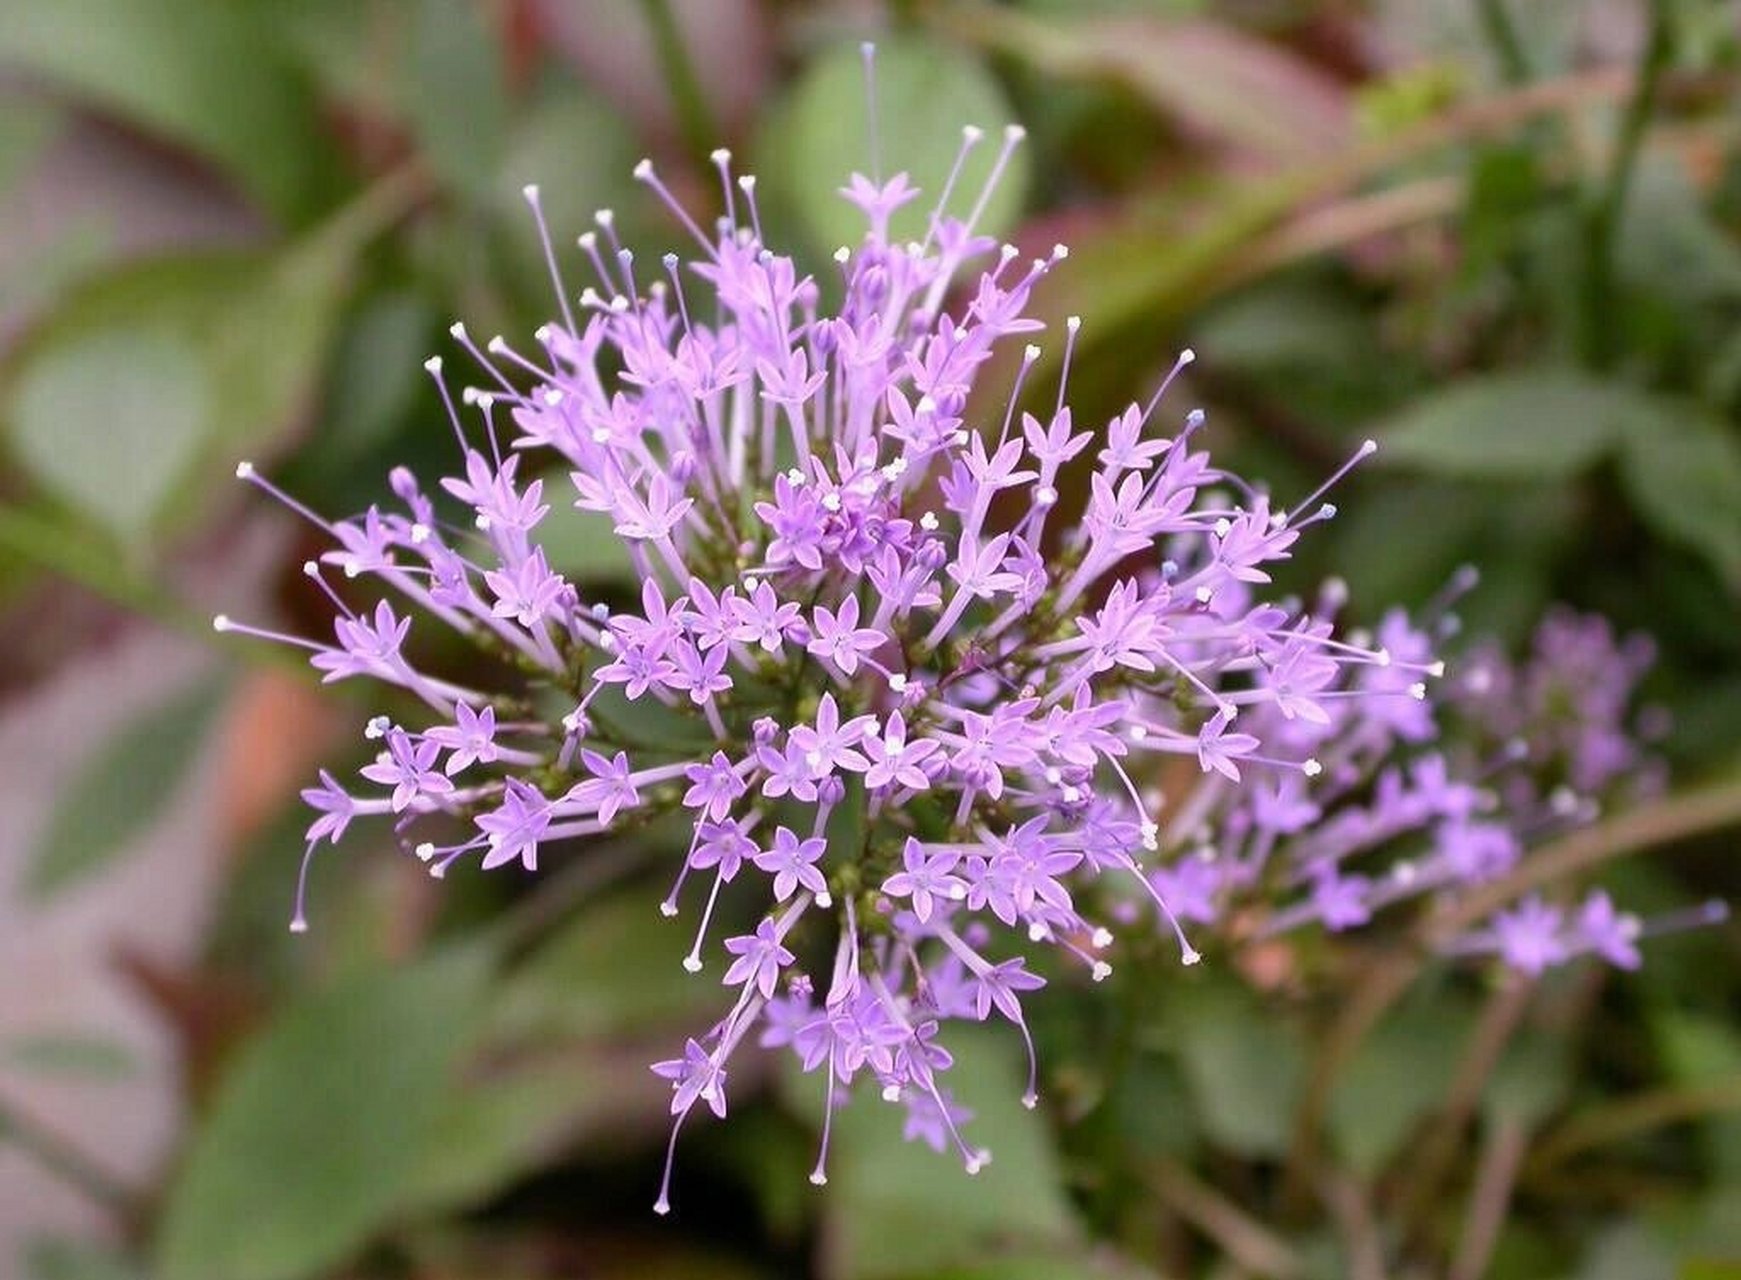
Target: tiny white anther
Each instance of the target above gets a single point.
(1030, 353)
(311, 568)
(1190, 956)
(1405, 873)
(457, 329)
(1187, 356)
(973, 1165)
(1310, 767)
(1328, 511)
(377, 728)
(1222, 527)
(244, 471)
(530, 191)
(1030, 1101)
(1194, 419)
(843, 255)
(898, 682)
(1054, 775)
(928, 521)
(1008, 253)
(1100, 939)
(543, 334)
(831, 502)
(819, 1179)
(891, 1093)
(958, 893)
(419, 534)
(619, 304)
(1060, 252)
(1138, 732)
(719, 155)
(825, 900)
(661, 1206)
(796, 478)
(1418, 691)
(498, 345)
(972, 133)
(352, 569)
(468, 395)
(1435, 669)
(1014, 132)
(485, 400)
(1072, 794)
(1037, 932)
(483, 523)
(692, 963)
(553, 396)
(1278, 519)
(1563, 801)
(1073, 323)
(668, 909)
(299, 925)
(1101, 971)
(747, 183)
(433, 364)
(1383, 657)
(587, 240)
(604, 217)
(221, 622)
(1204, 595)
(1151, 836)
(1368, 448)
(424, 851)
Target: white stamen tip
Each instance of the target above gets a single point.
(1435, 669)
(1030, 1100)
(891, 1093)
(1030, 353)
(898, 682)
(1311, 768)
(1100, 938)
(747, 183)
(819, 1179)
(1187, 356)
(972, 133)
(604, 217)
(1073, 323)
(667, 909)
(661, 1206)
(244, 471)
(221, 622)
(433, 364)
(1190, 956)
(842, 255)
(1101, 971)
(496, 345)
(825, 900)
(1368, 448)
(530, 191)
(692, 963)
(1015, 132)
(719, 155)
(457, 329)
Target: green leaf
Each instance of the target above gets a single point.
(900, 1209)
(1533, 425)
(617, 968)
(927, 92)
(1244, 1068)
(1682, 470)
(319, 1127)
(1400, 1074)
(200, 74)
(72, 1055)
(458, 101)
(1697, 1049)
(499, 1127)
(110, 421)
(1531, 1081)
(121, 790)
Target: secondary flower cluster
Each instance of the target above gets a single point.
(906, 691)
(1420, 804)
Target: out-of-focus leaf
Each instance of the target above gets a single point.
(1076, 1264)
(1668, 245)
(121, 790)
(319, 1127)
(1401, 1072)
(581, 155)
(901, 1209)
(110, 421)
(458, 101)
(584, 546)
(203, 75)
(1697, 1049)
(616, 969)
(497, 1128)
(926, 93)
(71, 1055)
(26, 128)
(1532, 1079)
(203, 358)
(1682, 470)
(1209, 76)
(1627, 1250)
(377, 371)
(1245, 1070)
(1526, 425)
(54, 1259)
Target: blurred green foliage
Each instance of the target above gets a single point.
(1503, 238)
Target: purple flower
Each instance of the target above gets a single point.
(760, 957)
(792, 863)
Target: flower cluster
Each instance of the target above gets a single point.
(1421, 804)
(911, 663)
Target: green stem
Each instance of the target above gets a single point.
(1602, 228)
(1507, 46)
(700, 134)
